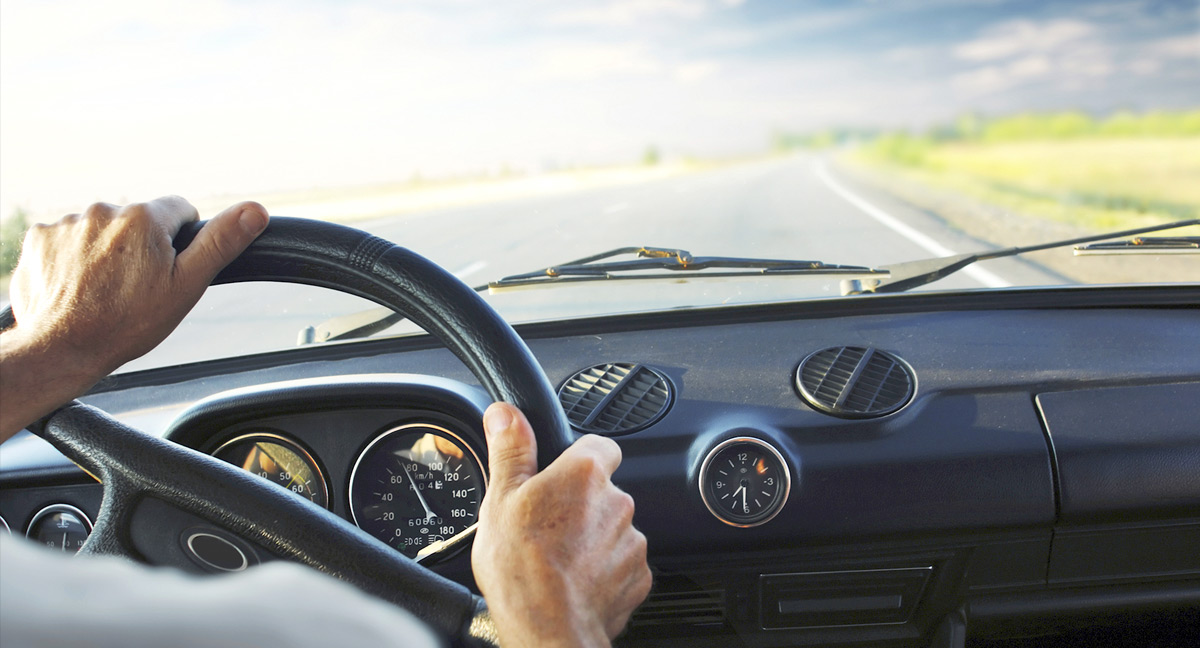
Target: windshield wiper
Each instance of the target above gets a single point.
(675, 261)
(911, 274)
(898, 277)
(594, 268)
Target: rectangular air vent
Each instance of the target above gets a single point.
(674, 603)
(841, 598)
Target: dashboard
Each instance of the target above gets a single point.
(888, 470)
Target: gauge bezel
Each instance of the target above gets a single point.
(458, 438)
(58, 508)
(292, 445)
(716, 511)
(4, 523)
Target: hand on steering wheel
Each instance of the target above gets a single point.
(136, 467)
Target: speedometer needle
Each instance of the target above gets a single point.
(420, 498)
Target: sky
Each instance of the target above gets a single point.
(125, 100)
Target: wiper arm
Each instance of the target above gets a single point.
(910, 274)
(349, 327)
(594, 268)
(374, 320)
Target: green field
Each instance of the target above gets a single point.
(1122, 172)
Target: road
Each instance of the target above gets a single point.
(800, 207)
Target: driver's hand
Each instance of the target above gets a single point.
(556, 555)
(98, 289)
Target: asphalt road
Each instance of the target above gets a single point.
(800, 207)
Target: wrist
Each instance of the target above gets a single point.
(533, 625)
(39, 376)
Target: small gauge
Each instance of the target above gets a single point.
(61, 527)
(416, 485)
(744, 481)
(279, 461)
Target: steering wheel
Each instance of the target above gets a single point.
(134, 466)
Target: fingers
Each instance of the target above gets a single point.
(512, 448)
(602, 450)
(219, 242)
(630, 580)
(172, 212)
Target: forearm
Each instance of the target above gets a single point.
(35, 379)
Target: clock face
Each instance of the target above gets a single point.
(744, 482)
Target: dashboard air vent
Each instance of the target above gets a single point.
(689, 608)
(613, 399)
(855, 382)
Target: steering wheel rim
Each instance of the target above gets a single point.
(135, 466)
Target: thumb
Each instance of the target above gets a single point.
(512, 447)
(220, 241)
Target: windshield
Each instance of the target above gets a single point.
(498, 138)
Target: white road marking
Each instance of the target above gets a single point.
(471, 269)
(989, 279)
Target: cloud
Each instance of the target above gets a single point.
(1020, 37)
(1152, 58)
(1070, 53)
(1186, 46)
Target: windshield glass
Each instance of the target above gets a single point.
(498, 138)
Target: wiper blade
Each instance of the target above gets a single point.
(595, 268)
(911, 274)
(1144, 245)
(374, 320)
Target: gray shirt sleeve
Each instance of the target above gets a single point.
(47, 599)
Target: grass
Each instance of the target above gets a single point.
(1097, 183)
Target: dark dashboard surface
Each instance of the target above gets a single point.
(1046, 469)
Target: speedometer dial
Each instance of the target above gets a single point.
(416, 485)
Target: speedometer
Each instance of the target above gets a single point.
(416, 485)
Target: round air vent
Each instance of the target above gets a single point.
(855, 382)
(613, 399)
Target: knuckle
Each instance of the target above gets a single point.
(578, 468)
(529, 508)
(175, 203)
(640, 547)
(625, 507)
(136, 212)
(594, 454)
(645, 583)
(38, 232)
(99, 211)
(588, 467)
(601, 444)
